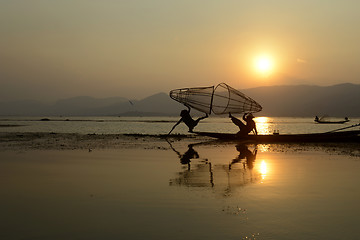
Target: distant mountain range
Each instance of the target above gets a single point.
(282, 101)
(303, 100)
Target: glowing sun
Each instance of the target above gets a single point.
(264, 65)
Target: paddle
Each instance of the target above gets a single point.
(355, 125)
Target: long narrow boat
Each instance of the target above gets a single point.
(331, 122)
(344, 136)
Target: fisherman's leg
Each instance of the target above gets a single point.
(242, 132)
(201, 118)
(237, 122)
(195, 123)
(191, 125)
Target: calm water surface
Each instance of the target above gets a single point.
(224, 191)
(158, 125)
(182, 191)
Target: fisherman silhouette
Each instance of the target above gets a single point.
(245, 129)
(188, 120)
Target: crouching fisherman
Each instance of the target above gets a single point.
(188, 120)
(247, 127)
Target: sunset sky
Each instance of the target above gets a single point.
(106, 48)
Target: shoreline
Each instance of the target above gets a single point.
(72, 141)
(16, 141)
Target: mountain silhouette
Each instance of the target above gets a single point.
(304, 100)
(283, 101)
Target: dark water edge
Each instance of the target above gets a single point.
(73, 141)
(10, 125)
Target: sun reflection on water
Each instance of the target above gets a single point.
(263, 125)
(264, 147)
(263, 169)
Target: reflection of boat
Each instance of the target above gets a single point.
(344, 136)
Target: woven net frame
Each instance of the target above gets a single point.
(199, 98)
(221, 99)
(230, 100)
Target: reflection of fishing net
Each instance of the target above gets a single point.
(219, 178)
(221, 99)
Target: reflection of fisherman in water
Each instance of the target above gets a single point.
(187, 119)
(201, 176)
(221, 177)
(245, 153)
(187, 156)
(245, 129)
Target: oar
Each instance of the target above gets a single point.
(355, 125)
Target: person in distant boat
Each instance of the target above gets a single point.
(188, 120)
(316, 118)
(245, 129)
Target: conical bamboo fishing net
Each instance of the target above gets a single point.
(221, 99)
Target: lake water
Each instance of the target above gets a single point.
(160, 194)
(158, 125)
(177, 188)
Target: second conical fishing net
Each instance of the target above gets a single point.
(229, 100)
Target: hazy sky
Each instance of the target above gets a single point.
(103, 48)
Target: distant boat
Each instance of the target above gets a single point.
(321, 120)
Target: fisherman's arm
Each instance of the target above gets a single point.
(244, 117)
(175, 125)
(255, 130)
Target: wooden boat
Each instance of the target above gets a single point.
(344, 136)
(331, 122)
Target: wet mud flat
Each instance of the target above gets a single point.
(73, 141)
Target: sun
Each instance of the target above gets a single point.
(264, 65)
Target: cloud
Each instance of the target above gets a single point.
(299, 60)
